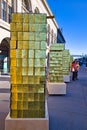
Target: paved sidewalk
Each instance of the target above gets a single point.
(66, 112)
(69, 112)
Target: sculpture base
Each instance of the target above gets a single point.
(27, 123)
(66, 78)
(56, 88)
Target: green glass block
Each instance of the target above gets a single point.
(37, 45)
(31, 36)
(20, 36)
(13, 113)
(20, 97)
(42, 113)
(32, 18)
(19, 27)
(20, 114)
(12, 44)
(14, 36)
(25, 114)
(25, 36)
(40, 18)
(25, 79)
(43, 45)
(25, 97)
(24, 54)
(36, 79)
(31, 54)
(43, 28)
(42, 105)
(36, 105)
(30, 105)
(25, 71)
(36, 113)
(25, 18)
(43, 54)
(25, 45)
(37, 36)
(31, 45)
(37, 63)
(36, 99)
(43, 36)
(25, 27)
(38, 54)
(31, 97)
(20, 105)
(20, 44)
(32, 27)
(41, 89)
(31, 62)
(31, 88)
(13, 62)
(42, 62)
(24, 62)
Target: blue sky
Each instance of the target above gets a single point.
(71, 16)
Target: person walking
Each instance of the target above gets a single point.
(73, 70)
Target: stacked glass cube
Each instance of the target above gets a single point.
(66, 62)
(56, 63)
(27, 65)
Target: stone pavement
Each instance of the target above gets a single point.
(66, 112)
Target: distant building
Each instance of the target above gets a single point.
(7, 7)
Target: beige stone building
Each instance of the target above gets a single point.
(7, 7)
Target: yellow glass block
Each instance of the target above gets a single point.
(31, 62)
(14, 88)
(31, 80)
(25, 105)
(25, 44)
(18, 53)
(12, 44)
(31, 53)
(37, 80)
(12, 70)
(24, 71)
(19, 27)
(13, 26)
(14, 96)
(37, 71)
(32, 27)
(17, 17)
(14, 36)
(26, 27)
(25, 36)
(20, 44)
(25, 18)
(19, 62)
(19, 79)
(30, 71)
(25, 79)
(13, 113)
(14, 105)
(13, 79)
(20, 105)
(24, 62)
(19, 70)
(13, 62)
(12, 53)
(20, 35)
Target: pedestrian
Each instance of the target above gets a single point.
(77, 69)
(73, 70)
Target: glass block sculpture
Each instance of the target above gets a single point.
(27, 65)
(56, 63)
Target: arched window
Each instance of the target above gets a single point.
(36, 10)
(27, 7)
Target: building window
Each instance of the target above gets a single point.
(52, 37)
(4, 10)
(9, 13)
(26, 6)
(48, 35)
(36, 10)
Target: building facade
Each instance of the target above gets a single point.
(7, 7)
